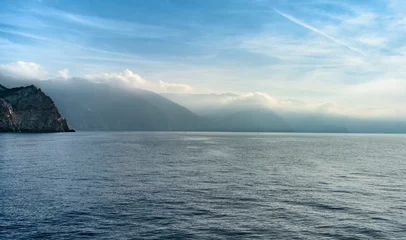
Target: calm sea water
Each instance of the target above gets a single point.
(202, 186)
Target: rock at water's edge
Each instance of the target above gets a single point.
(28, 109)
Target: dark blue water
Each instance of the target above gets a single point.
(202, 186)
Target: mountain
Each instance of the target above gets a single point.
(99, 106)
(253, 112)
(103, 107)
(28, 109)
(315, 122)
(201, 104)
(255, 120)
(357, 125)
(227, 114)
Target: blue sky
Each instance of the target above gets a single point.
(348, 55)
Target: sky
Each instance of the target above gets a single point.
(347, 56)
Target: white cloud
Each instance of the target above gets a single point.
(380, 87)
(64, 73)
(174, 87)
(27, 70)
(373, 41)
(362, 19)
(253, 99)
(128, 78)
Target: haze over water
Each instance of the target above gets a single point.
(144, 185)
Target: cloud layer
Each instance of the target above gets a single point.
(130, 79)
(26, 70)
(216, 103)
(127, 78)
(64, 73)
(190, 97)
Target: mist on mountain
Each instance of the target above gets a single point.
(88, 105)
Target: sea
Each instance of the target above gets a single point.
(177, 185)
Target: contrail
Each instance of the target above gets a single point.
(297, 21)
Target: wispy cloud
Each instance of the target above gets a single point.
(299, 22)
(126, 28)
(123, 57)
(372, 40)
(24, 34)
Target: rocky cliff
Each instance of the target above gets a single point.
(28, 109)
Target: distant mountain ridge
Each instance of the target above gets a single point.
(95, 107)
(142, 110)
(255, 120)
(104, 107)
(218, 108)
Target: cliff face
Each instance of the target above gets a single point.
(28, 109)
